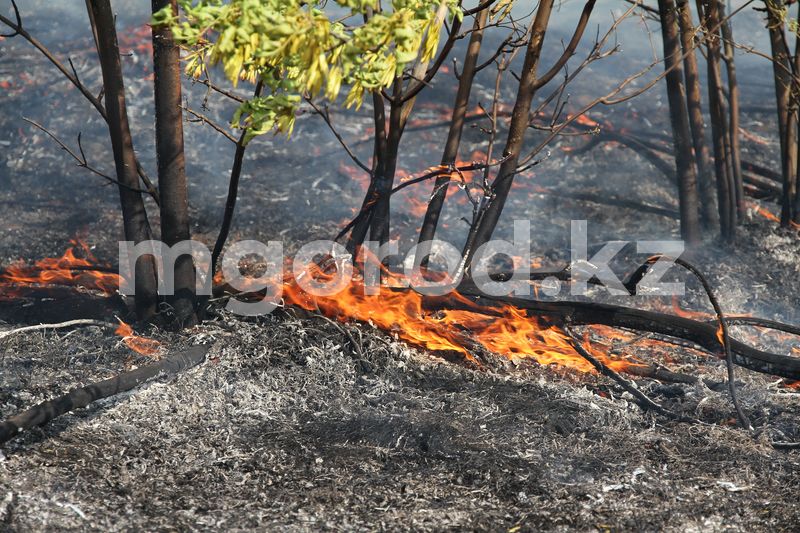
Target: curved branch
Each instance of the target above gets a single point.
(569, 51)
(326, 117)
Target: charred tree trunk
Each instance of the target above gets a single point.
(679, 119)
(782, 70)
(719, 124)
(232, 196)
(172, 165)
(793, 191)
(359, 233)
(134, 215)
(733, 111)
(384, 178)
(450, 154)
(708, 204)
(483, 228)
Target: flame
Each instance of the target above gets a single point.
(507, 331)
(721, 335)
(140, 345)
(584, 120)
(769, 215)
(77, 267)
(694, 315)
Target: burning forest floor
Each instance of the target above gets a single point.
(290, 425)
(299, 423)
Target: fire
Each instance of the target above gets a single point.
(77, 267)
(769, 215)
(140, 345)
(584, 120)
(693, 315)
(506, 331)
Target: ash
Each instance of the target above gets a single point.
(285, 426)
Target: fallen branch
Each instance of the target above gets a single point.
(587, 313)
(83, 396)
(641, 398)
(61, 325)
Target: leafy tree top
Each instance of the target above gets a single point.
(296, 48)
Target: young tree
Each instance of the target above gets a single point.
(134, 215)
(303, 51)
(169, 136)
(171, 163)
(679, 118)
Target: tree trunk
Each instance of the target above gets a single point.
(781, 68)
(733, 111)
(134, 215)
(450, 155)
(520, 118)
(694, 99)
(171, 165)
(719, 125)
(386, 168)
(679, 118)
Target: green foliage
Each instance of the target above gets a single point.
(779, 11)
(305, 49)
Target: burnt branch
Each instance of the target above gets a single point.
(641, 399)
(569, 51)
(83, 396)
(81, 159)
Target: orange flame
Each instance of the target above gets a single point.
(506, 331)
(69, 269)
(584, 120)
(694, 315)
(769, 215)
(140, 345)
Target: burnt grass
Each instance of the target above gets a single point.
(291, 425)
(288, 425)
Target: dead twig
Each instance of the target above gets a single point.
(73, 78)
(641, 398)
(722, 332)
(61, 325)
(327, 118)
(81, 159)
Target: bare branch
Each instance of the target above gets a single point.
(327, 118)
(199, 117)
(81, 160)
(73, 78)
